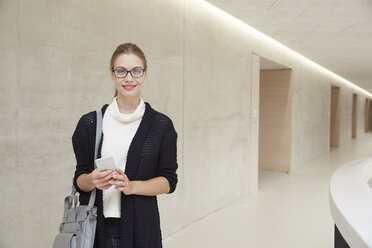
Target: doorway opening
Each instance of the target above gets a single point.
(335, 117)
(271, 118)
(370, 115)
(354, 117)
(366, 116)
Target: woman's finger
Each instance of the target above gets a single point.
(125, 177)
(121, 176)
(105, 173)
(118, 177)
(100, 174)
(106, 187)
(98, 183)
(109, 176)
(119, 171)
(119, 183)
(125, 190)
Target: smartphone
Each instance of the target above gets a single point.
(106, 163)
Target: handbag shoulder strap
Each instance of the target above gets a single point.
(98, 139)
(98, 134)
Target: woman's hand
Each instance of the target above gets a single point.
(122, 183)
(101, 179)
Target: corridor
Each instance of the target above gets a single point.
(288, 211)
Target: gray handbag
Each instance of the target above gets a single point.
(78, 227)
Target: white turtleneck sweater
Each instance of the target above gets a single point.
(118, 130)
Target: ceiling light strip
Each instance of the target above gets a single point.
(279, 45)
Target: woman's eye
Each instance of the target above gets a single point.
(121, 71)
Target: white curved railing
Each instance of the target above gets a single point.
(351, 202)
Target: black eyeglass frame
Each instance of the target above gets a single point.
(126, 74)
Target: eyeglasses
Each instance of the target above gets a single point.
(121, 72)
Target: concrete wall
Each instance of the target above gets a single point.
(54, 59)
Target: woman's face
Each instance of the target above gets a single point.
(128, 86)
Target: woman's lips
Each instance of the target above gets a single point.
(128, 87)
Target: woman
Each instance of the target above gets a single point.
(143, 143)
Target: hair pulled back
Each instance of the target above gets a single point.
(127, 48)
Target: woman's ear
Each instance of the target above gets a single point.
(112, 75)
(146, 71)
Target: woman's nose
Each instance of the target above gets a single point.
(129, 77)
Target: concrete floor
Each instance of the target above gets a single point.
(289, 210)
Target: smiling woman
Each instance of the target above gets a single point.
(128, 73)
(128, 58)
(143, 143)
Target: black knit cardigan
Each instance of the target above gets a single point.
(152, 153)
